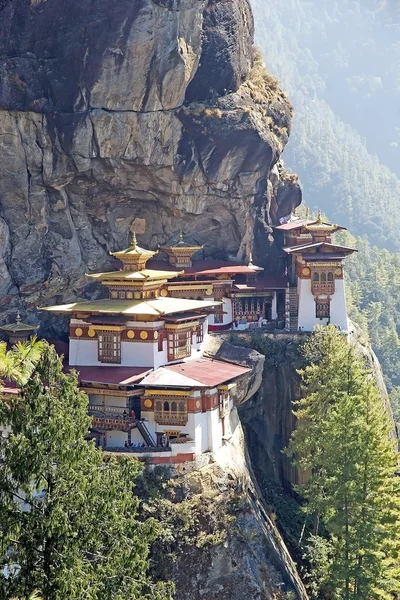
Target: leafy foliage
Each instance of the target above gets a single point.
(343, 442)
(68, 519)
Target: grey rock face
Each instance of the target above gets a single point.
(128, 115)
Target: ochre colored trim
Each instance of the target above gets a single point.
(108, 327)
(152, 392)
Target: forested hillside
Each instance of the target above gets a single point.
(373, 294)
(339, 63)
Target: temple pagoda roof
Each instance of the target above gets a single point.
(134, 251)
(156, 307)
(311, 225)
(331, 247)
(181, 245)
(198, 372)
(18, 326)
(143, 275)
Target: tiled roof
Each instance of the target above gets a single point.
(209, 267)
(300, 248)
(294, 224)
(199, 372)
(111, 375)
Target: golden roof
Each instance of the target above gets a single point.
(320, 226)
(181, 245)
(156, 307)
(143, 275)
(134, 251)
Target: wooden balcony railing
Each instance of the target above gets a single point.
(110, 418)
(318, 288)
(170, 418)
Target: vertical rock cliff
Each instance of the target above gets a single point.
(153, 115)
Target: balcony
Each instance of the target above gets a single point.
(111, 418)
(322, 288)
(169, 418)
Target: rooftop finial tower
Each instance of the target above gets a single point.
(134, 258)
(180, 254)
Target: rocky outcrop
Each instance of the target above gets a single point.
(247, 557)
(149, 115)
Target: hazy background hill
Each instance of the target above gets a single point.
(339, 62)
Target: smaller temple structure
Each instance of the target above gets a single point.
(315, 267)
(18, 331)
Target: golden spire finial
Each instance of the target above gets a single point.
(134, 242)
(250, 259)
(319, 218)
(18, 317)
(307, 212)
(181, 236)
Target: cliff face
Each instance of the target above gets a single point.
(147, 115)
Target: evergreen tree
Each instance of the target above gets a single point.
(68, 524)
(344, 441)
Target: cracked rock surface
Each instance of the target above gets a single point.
(130, 114)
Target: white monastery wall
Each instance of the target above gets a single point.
(307, 319)
(214, 426)
(116, 439)
(338, 306)
(227, 316)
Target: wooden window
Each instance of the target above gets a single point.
(330, 276)
(237, 308)
(323, 277)
(109, 347)
(219, 315)
(179, 344)
(114, 294)
(316, 276)
(199, 333)
(322, 309)
(121, 295)
(160, 341)
(171, 412)
(223, 400)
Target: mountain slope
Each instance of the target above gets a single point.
(322, 54)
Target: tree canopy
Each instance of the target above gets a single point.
(344, 443)
(68, 525)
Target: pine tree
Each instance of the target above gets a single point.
(68, 525)
(344, 441)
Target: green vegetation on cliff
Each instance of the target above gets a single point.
(68, 519)
(337, 62)
(343, 442)
(373, 295)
